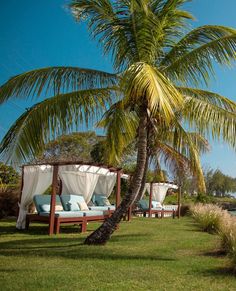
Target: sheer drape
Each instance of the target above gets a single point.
(159, 191)
(146, 188)
(37, 179)
(79, 183)
(90, 179)
(105, 185)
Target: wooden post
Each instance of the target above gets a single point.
(60, 187)
(129, 213)
(21, 189)
(179, 201)
(53, 200)
(150, 200)
(118, 184)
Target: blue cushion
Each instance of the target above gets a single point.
(40, 200)
(100, 200)
(102, 208)
(143, 204)
(65, 214)
(68, 199)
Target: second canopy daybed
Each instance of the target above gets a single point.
(157, 193)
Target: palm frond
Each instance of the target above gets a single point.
(192, 58)
(210, 119)
(121, 128)
(50, 118)
(145, 84)
(209, 97)
(55, 80)
(191, 152)
(171, 158)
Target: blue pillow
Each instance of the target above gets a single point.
(45, 207)
(102, 201)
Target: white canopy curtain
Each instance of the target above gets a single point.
(79, 183)
(86, 179)
(105, 184)
(159, 191)
(146, 188)
(37, 179)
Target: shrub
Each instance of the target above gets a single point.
(203, 198)
(212, 218)
(228, 238)
(228, 234)
(209, 217)
(9, 202)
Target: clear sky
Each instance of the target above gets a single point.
(36, 34)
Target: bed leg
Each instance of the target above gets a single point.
(162, 213)
(84, 226)
(27, 222)
(57, 226)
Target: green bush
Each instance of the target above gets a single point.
(203, 198)
(9, 202)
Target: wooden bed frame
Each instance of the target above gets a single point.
(83, 220)
(55, 222)
(156, 212)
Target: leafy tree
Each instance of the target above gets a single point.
(154, 89)
(8, 175)
(218, 183)
(73, 147)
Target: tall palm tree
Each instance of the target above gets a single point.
(158, 63)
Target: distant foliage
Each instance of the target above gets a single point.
(8, 175)
(218, 183)
(75, 146)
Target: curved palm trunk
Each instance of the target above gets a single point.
(140, 193)
(103, 233)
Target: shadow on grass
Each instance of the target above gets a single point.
(70, 248)
(215, 253)
(219, 272)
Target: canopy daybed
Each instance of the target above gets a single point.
(157, 193)
(76, 178)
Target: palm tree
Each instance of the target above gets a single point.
(159, 64)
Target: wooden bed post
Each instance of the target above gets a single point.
(118, 184)
(53, 200)
(21, 189)
(150, 200)
(179, 202)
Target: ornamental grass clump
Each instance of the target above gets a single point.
(228, 237)
(228, 234)
(209, 217)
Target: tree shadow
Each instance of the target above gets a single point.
(215, 253)
(219, 272)
(72, 248)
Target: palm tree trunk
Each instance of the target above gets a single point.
(104, 232)
(140, 193)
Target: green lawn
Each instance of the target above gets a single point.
(144, 254)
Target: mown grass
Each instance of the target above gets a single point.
(145, 254)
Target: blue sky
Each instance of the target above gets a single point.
(36, 34)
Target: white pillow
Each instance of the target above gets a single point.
(83, 205)
(58, 208)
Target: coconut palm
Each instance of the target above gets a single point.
(158, 63)
(170, 145)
